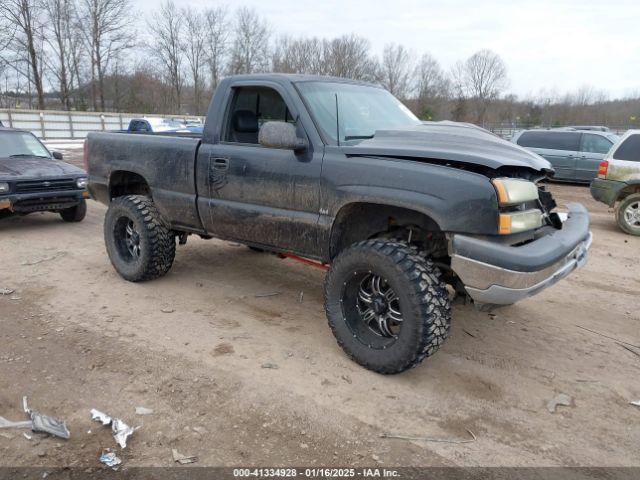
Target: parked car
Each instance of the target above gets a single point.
(155, 125)
(575, 155)
(619, 182)
(342, 175)
(33, 179)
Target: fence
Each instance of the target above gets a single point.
(55, 124)
(507, 130)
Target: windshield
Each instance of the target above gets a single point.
(21, 144)
(362, 110)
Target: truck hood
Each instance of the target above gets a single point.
(452, 142)
(35, 167)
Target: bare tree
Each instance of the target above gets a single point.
(216, 42)
(301, 55)
(349, 57)
(23, 19)
(432, 88)
(106, 30)
(59, 36)
(195, 51)
(250, 49)
(168, 26)
(481, 78)
(396, 70)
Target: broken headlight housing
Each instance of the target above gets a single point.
(514, 198)
(81, 182)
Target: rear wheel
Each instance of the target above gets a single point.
(628, 214)
(75, 214)
(386, 305)
(139, 243)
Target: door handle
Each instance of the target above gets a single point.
(221, 163)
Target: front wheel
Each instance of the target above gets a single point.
(628, 214)
(75, 214)
(139, 243)
(386, 305)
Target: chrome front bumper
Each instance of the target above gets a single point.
(491, 284)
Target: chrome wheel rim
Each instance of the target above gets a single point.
(132, 240)
(632, 214)
(379, 307)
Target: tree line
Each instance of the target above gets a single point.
(99, 55)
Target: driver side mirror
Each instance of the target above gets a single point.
(56, 155)
(281, 135)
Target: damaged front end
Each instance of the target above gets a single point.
(535, 247)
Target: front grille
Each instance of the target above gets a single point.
(53, 185)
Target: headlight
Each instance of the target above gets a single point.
(514, 191)
(81, 182)
(4, 187)
(519, 221)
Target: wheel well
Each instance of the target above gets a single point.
(362, 221)
(127, 183)
(628, 190)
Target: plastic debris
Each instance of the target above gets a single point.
(270, 365)
(264, 295)
(45, 423)
(121, 431)
(635, 402)
(432, 439)
(101, 417)
(143, 411)
(182, 459)
(167, 310)
(6, 291)
(110, 459)
(4, 423)
(560, 399)
(27, 436)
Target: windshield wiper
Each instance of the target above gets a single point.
(358, 137)
(27, 155)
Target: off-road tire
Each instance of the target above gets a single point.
(620, 219)
(157, 241)
(423, 298)
(75, 214)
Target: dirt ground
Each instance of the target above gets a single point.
(193, 345)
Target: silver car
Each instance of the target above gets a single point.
(574, 154)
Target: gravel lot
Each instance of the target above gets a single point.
(193, 346)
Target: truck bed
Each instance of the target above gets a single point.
(165, 161)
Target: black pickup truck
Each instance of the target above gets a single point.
(33, 179)
(403, 214)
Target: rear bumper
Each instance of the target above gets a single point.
(606, 191)
(42, 201)
(495, 274)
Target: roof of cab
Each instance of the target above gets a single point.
(296, 78)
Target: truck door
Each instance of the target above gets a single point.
(593, 148)
(262, 195)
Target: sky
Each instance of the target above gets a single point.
(548, 46)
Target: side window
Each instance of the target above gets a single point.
(550, 140)
(595, 143)
(250, 108)
(629, 149)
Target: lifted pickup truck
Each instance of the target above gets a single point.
(403, 214)
(33, 179)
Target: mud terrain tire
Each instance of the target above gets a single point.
(139, 243)
(421, 297)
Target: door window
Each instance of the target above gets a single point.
(595, 143)
(251, 107)
(629, 150)
(551, 140)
